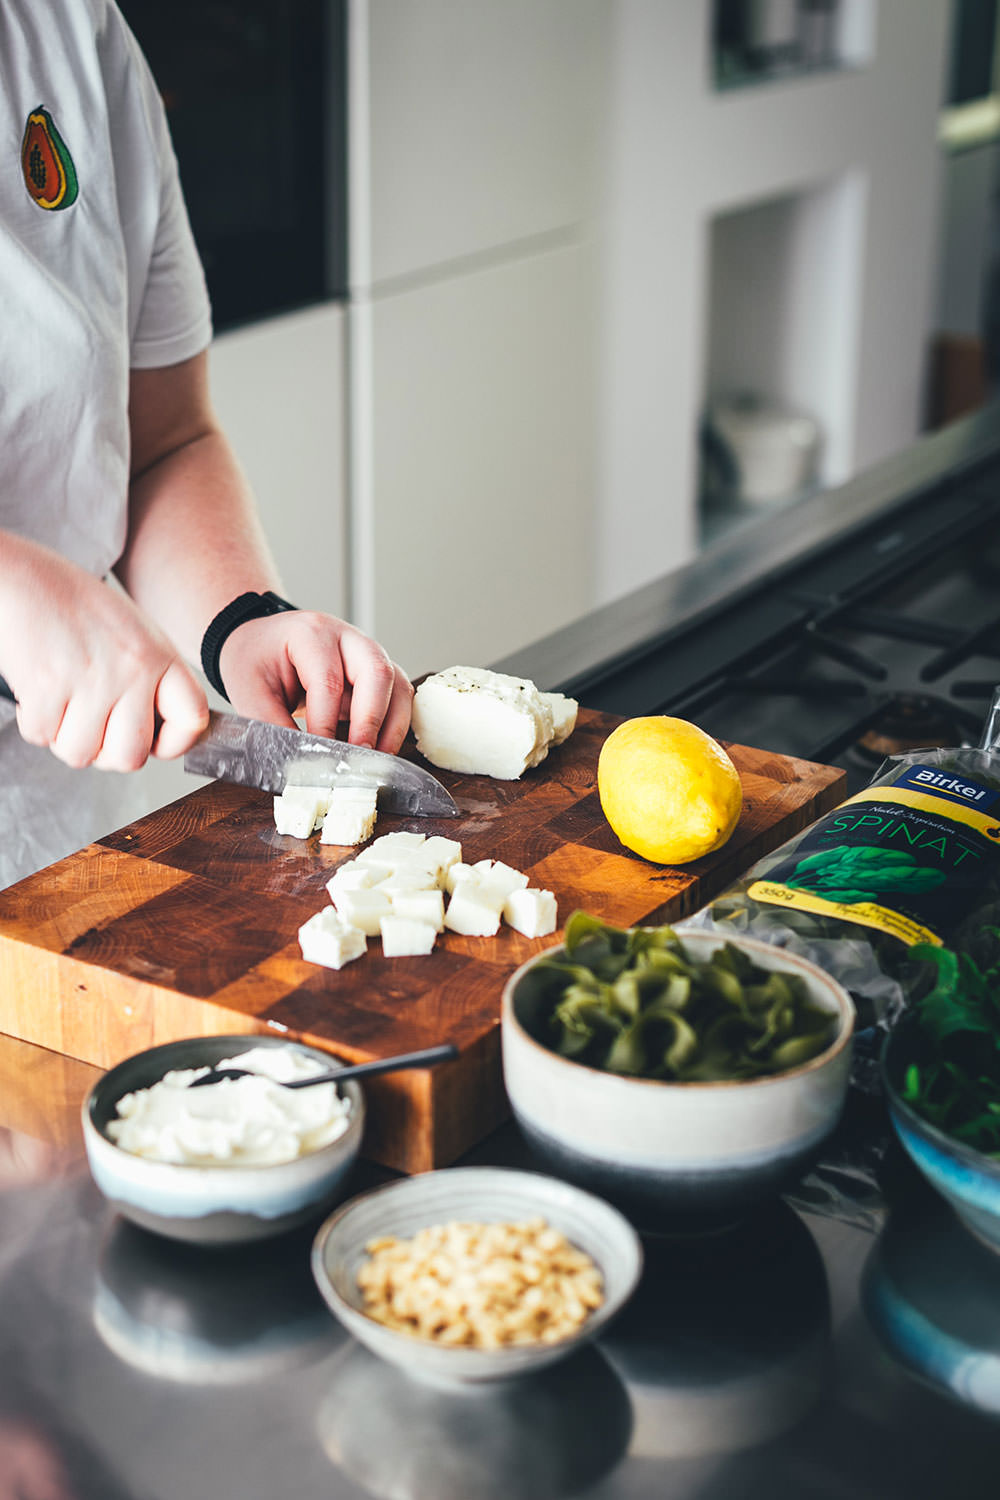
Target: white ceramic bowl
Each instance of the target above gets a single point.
(212, 1204)
(667, 1152)
(476, 1195)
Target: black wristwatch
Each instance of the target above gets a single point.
(245, 607)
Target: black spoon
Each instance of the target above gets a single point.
(421, 1059)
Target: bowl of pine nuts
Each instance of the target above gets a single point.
(475, 1274)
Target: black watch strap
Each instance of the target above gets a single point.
(246, 607)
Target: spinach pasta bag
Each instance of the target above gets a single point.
(910, 863)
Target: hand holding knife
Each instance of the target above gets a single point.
(271, 757)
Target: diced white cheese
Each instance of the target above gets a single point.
(381, 868)
(473, 911)
(564, 711)
(456, 874)
(351, 816)
(499, 877)
(405, 938)
(353, 876)
(439, 855)
(300, 809)
(408, 878)
(362, 909)
(328, 940)
(391, 845)
(531, 912)
(420, 906)
(481, 722)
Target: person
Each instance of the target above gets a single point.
(130, 547)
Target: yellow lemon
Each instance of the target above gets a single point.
(669, 791)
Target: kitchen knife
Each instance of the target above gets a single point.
(271, 757)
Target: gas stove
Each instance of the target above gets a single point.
(876, 635)
(869, 670)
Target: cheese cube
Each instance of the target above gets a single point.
(456, 874)
(531, 912)
(381, 869)
(407, 878)
(404, 938)
(300, 809)
(351, 816)
(392, 845)
(473, 911)
(500, 877)
(353, 876)
(420, 906)
(481, 722)
(328, 940)
(438, 855)
(362, 909)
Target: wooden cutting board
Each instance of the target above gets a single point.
(185, 923)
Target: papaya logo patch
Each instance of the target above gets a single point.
(49, 173)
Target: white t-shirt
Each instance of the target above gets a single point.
(98, 273)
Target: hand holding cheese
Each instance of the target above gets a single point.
(487, 723)
(301, 662)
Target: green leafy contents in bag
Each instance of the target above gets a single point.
(953, 1081)
(909, 865)
(634, 1001)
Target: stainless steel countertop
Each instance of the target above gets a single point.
(766, 545)
(748, 1365)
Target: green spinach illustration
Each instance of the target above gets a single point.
(851, 873)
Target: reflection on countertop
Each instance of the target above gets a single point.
(725, 1343)
(179, 1313)
(544, 1436)
(931, 1292)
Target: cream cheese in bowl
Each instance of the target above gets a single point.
(241, 1160)
(252, 1121)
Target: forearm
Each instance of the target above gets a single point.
(195, 541)
(195, 544)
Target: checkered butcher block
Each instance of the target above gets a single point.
(185, 923)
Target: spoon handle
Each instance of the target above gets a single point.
(422, 1059)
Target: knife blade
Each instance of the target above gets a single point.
(271, 757)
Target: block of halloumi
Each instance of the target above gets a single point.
(481, 722)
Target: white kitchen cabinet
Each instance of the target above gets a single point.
(474, 177)
(483, 448)
(478, 125)
(280, 392)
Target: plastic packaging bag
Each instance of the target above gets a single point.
(913, 859)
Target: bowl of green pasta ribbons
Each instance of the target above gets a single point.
(683, 1074)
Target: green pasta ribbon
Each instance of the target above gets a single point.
(633, 1001)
